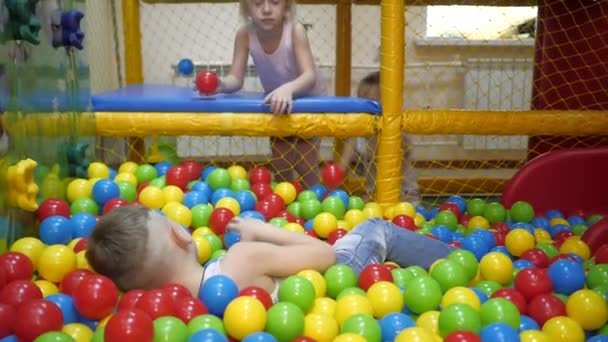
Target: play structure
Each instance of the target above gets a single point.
(90, 129)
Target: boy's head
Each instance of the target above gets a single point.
(137, 247)
(258, 9)
(369, 86)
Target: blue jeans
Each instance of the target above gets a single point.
(376, 241)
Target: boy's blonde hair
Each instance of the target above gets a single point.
(117, 247)
(290, 7)
(369, 86)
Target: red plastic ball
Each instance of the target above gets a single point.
(193, 169)
(537, 257)
(500, 238)
(299, 187)
(336, 235)
(259, 174)
(206, 82)
(532, 282)
(186, 308)
(129, 299)
(53, 207)
(70, 281)
(462, 336)
(7, 319)
(451, 207)
(464, 219)
(303, 339)
(37, 317)
(601, 255)
(178, 176)
(3, 278)
(17, 266)
(372, 274)
(300, 221)
(261, 190)
(514, 297)
(129, 325)
(81, 245)
(95, 297)
(176, 291)
(561, 237)
(276, 201)
(500, 227)
(113, 204)
(544, 307)
(219, 219)
(258, 293)
(19, 292)
(267, 209)
(142, 186)
(405, 221)
(311, 233)
(333, 175)
(156, 303)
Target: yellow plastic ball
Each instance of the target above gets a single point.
(46, 287)
(104, 321)
(351, 305)
(244, 316)
(460, 295)
(419, 219)
(324, 223)
(202, 231)
(478, 222)
(349, 337)
(542, 235)
(203, 247)
(404, 208)
(588, 309)
(518, 241)
(533, 336)
(354, 217)
(344, 225)
(128, 167)
(317, 280)
(79, 188)
(55, 262)
(126, 177)
(429, 321)
(415, 334)
(30, 247)
(82, 262)
(389, 212)
(230, 204)
(559, 220)
(294, 227)
(78, 331)
(180, 214)
(324, 305)
(98, 170)
(497, 267)
(385, 297)
(152, 197)
(320, 327)
(372, 209)
(575, 245)
(173, 193)
(237, 172)
(286, 191)
(563, 329)
(92, 181)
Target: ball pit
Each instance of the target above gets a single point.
(516, 274)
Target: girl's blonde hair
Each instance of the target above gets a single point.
(290, 8)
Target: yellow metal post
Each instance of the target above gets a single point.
(343, 58)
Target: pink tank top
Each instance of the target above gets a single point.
(281, 66)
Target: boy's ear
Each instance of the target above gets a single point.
(180, 235)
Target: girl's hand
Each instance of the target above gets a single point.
(245, 227)
(280, 100)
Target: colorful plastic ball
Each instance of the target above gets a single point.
(193, 169)
(260, 337)
(324, 224)
(98, 170)
(55, 262)
(448, 274)
(528, 323)
(219, 219)
(244, 316)
(310, 208)
(35, 318)
(217, 292)
(393, 323)
(496, 310)
(332, 174)
(104, 190)
(499, 332)
(339, 277)
(317, 280)
(518, 241)
(285, 321)
(299, 291)
(466, 260)
(82, 224)
(562, 329)
(187, 308)
(78, 188)
(567, 276)
(71, 280)
(372, 274)
(588, 309)
(129, 325)
(201, 214)
(362, 325)
(128, 167)
(95, 297)
(219, 178)
(56, 230)
(462, 336)
(460, 295)
(385, 297)
(479, 222)
(494, 212)
(287, 192)
(576, 246)
(156, 303)
(352, 304)
(521, 211)
(319, 327)
(230, 204)
(458, 317)
(84, 205)
(30, 247)
(497, 267)
(533, 336)
(51, 207)
(46, 287)
(447, 218)
(66, 304)
(514, 297)
(422, 294)
(206, 82)
(78, 332)
(185, 67)
(543, 307)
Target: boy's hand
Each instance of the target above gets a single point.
(245, 227)
(280, 100)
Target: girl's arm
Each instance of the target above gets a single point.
(234, 80)
(305, 61)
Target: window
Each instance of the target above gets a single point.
(480, 22)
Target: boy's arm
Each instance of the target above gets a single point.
(234, 80)
(251, 229)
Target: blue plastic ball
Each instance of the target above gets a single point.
(551, 214)
(105, 190)
(319, 190)
(260, 337)
(185, 67)
(460, 202)
(499, 332)
(56, 230)
(567, 276)
(203, 187)
(527, 323)
(217, 292)
(65, 303)
(208, 335)
(162, 168)
(82, 225)
(246, 199)
(221, 193)
(342, 195)
(393, 323)
(206, 171)
(253, 214)
(194, 197)
(230, 238)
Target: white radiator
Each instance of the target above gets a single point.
(497, 84)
